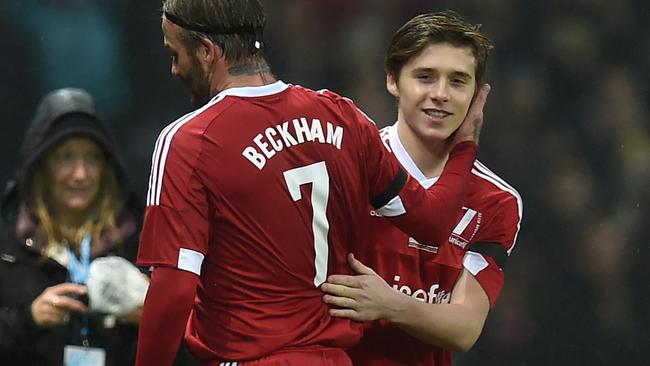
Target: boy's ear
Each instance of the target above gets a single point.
(391, 85)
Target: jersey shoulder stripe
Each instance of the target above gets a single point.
(384, 134)
(335, 98)
(155, 155)
(486, 174)
(162, 149)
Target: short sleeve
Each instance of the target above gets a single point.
(381, 166)
(502, 231)
(176, 225)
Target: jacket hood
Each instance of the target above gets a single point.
(60, 114)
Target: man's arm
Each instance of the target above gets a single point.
(424, 214)
(166, 310)
(367, 297)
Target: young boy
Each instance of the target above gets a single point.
(434, 67)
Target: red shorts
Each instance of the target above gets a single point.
(315, 357)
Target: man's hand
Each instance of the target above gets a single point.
(364, 297)
(470, 129)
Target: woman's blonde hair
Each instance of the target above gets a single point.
(100, 216)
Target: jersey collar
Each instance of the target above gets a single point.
(253, 91)
(406, 160)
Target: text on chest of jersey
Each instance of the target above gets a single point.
(435, 294)
(285, 134)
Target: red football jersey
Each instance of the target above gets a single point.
(491, 213)
(262, 192)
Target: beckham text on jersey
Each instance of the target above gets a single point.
(284, 135)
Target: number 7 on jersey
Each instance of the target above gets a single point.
(317, 175)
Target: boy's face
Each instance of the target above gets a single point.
(435, 89)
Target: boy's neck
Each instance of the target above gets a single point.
(429, 156)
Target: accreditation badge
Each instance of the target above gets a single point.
(83, 356)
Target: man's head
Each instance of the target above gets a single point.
(212, 38)
(434, 64)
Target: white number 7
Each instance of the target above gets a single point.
(317, 175)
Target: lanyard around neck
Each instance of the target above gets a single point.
(78, 267)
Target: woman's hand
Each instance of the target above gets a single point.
(132, 316)
(53, 306)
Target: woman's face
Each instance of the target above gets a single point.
(74, 171)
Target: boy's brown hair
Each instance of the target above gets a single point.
(430, 28)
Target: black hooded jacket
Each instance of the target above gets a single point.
(24, 274)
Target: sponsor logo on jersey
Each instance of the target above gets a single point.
(466, 228)
(434, 295)
(463, 233)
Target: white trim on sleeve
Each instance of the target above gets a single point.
(190, 260)
(482, 171)
(474, 262)
(394, 207)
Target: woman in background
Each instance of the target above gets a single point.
(67, 205)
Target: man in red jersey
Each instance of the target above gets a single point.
(258, 195)
(434, 65)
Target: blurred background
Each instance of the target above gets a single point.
(567, 124)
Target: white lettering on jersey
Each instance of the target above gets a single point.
(302, 130)
(419, 246)
(254, 157)
(432, 296)
(266, 144)
(286, 136)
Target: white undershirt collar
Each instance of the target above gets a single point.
(253, 91)
(406, 160)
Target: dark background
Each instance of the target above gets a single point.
(566, 124)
